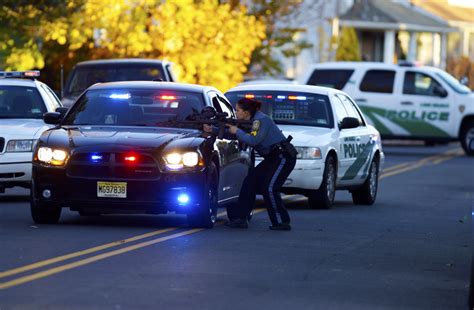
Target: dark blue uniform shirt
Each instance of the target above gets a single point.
(264, 134)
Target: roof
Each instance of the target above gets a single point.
(447, 10)
(285, 87)
(385, 14)
(122, 61)
(153, 85)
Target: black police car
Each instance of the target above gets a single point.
(129, 147)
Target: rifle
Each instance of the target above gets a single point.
(210, 116)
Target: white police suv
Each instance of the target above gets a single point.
(404, 101)
(337, 148)
(23, 101)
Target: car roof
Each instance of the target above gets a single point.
(18, 82)
(364, 64)
(286, 87)
(121, 61)
(153, 85)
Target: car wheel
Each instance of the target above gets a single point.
(44, 214)
(207, 215)
(366, 194)
(323, 197)
(467, 138)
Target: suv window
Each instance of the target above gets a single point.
(84, 76)
(417, 83)
(333, 78)
(378, 81)
(226, 107)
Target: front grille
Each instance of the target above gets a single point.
(2, 144)
(112, 166)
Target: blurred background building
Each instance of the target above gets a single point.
(431, 32)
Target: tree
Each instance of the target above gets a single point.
(348, 46)
(210, 43)
(280, 32)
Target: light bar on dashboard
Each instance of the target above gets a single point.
(120, 96)
(296, 98)
(20, 74)
(249, 96)
(167, 97)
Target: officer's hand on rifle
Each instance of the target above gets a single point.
(232, 128)
(207, 128)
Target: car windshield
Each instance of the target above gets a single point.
(453, 83)
(21, 102)
(290, 108)
(135, 107)
(85, 76)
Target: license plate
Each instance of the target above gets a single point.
(112, 189)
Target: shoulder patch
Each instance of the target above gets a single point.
(255, 127)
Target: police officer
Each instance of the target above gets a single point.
(270, 174)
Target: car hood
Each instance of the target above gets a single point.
(22, 128)
(305, 135)
(115, 138)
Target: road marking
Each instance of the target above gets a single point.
(85, 261)
(435, 159)
(393, 170)
(81, 253)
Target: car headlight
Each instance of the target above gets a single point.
(176, 161)
(20, 145)
(308, 152)
(51, 156)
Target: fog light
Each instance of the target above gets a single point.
(47, 193)
(183, 198)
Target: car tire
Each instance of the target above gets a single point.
(467, 138)
(323, 197)
(367, 193)
(44, 214)
(207, 215)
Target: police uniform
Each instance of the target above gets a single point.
(269, 175)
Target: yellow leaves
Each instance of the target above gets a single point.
(25, 58)
(208, 42)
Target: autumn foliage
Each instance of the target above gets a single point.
(209, 43)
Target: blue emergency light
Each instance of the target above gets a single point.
(20, 74)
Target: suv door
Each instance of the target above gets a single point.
(424, 109)
(375, 97)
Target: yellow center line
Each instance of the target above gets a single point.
(61, 258)
(95, 258)
(435, 159)
(81, 253)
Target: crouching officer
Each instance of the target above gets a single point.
(270, 174)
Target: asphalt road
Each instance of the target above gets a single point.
(411, 250)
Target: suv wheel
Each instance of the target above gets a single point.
(467, 138)
(323, 197)
(206, 216)
(366, 194)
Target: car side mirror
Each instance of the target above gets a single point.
(208, 112)
(349, 122)
(62, 110)
(52, 118)
(440, 91)
(464, 81)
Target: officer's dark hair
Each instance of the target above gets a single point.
(252, 106)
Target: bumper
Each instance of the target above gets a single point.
(307, 175)
(15, 170)
(155, 196)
